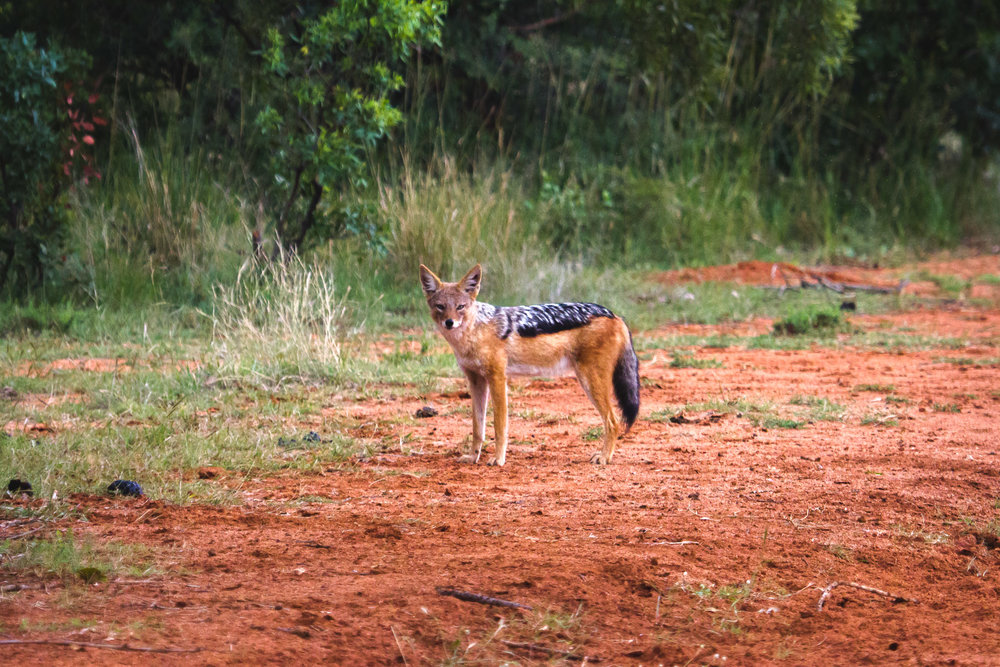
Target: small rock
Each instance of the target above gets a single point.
(16, 486)
(125, 487)
(425, 412)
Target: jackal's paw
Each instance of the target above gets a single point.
(468, 458)
(494, 461)
(599, 459)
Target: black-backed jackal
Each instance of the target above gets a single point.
(493, 342)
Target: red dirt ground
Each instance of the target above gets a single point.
(707, 541)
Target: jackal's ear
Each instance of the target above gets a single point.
(429, 281)
(472, 280)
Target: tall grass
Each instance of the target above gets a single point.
(279, 317)
(450, 220)
(169, 220)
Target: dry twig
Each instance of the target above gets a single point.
(116, 647)
(314, 544)
(399, 646)
(24, 534)
(10, 588)
(481, 599)
(876, 591)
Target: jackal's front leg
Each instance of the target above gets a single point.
(480, 391)
(498, 389)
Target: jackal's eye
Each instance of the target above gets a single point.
(460, 307)
(440, 307)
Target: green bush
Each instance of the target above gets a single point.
(331, 77)
(31, 317)
(810, 319)
(36, 134)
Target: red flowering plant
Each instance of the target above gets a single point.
(85, 116)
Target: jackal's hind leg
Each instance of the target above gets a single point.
(597, 385)
(611, 429)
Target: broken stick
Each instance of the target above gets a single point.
(116, 647)
(876, 591)
(481, 599)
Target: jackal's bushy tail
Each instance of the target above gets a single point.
(626, 383)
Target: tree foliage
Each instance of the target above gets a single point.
(331, 77)
(39, 145)
(303, 93)
(920, 71)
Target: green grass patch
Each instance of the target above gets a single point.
(661, 416)
(778, 422)
(74, 558)
(891, 341)
(814, 319)
(688, 360)
(879, 419)
(157, 453)
(820, 409)
(762, 414)
(32, 318)
(740, 405)
(968, 361)
(875, 388)
(951, 285)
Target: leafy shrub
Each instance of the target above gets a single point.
(31, 317)
(36, 133)
(331, 76)
(810, 319)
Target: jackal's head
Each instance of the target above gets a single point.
(451, 304)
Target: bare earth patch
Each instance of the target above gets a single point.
(710, 540)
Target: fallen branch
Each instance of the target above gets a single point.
(876, 591)
(569, 655)
(24, 534)
(116, 647)
(10, 588)
(673, 544)
(314, 544)
(481, 599)
(839, 288)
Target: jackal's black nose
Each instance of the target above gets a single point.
(448, 324)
